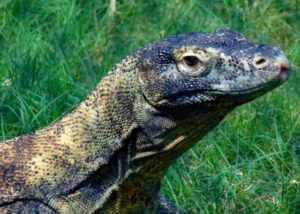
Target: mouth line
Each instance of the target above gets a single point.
(244, 94)
(250, 91)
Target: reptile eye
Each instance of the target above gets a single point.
(191, 61)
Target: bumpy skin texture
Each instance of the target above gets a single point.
(111, 153)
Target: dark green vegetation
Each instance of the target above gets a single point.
(53, 53)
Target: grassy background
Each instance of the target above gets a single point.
(53, 53)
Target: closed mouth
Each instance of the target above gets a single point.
(254, 90)
(240, 95)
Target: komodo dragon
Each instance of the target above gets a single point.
(111, 153)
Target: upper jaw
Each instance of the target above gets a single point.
(281, 73)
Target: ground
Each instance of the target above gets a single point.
(54, 52)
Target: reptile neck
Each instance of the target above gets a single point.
(96, 128)
(57, 158)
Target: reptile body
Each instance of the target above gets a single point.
(111, 153)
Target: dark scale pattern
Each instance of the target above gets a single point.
(111, 153)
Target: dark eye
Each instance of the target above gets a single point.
(191, 61)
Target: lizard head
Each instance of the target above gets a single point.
(200, 68)
(190, 82)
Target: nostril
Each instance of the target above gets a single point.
(261, 61)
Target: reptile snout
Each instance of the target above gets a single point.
(267, 56)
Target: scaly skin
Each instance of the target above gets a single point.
(111, 153)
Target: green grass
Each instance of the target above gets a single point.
(52, 54)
